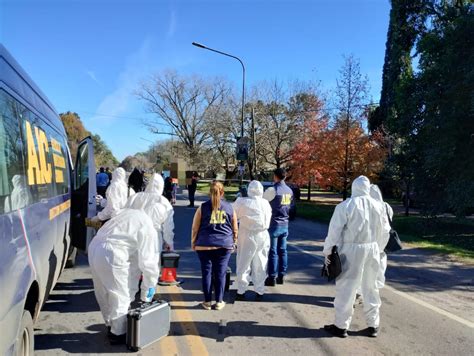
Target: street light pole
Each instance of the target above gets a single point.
(243, 78)
(243, 91)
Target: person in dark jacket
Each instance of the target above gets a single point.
(103, 181)
(214, 235)
(168, 189)
(192, 189)
(280, 197)
(135, 180)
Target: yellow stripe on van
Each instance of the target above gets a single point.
(58, 209)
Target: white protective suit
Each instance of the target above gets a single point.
(117, 194)
(355, 227)
(123, 249)
(376, 194)
(158, 209)
(254, 214)
(20, 195)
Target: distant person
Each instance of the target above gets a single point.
(109, 173)
(168, 190)
(214, 234)
(124, 249)
(102, 181)
(192, 189)
(174, 190)
(116, 196)
(355, 227)
(135, 181)
(280, 197)
(254, 214)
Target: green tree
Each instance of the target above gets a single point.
(103, 155)
(445, 141)
(407, 21)
(75, 131)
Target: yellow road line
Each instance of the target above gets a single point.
(168, 346)
(184, 317)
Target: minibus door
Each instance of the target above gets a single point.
(83, 197)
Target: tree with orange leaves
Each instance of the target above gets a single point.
(320, 156)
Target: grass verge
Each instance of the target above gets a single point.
(444, 235)
(229, 191)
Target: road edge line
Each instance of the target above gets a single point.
(403, 294)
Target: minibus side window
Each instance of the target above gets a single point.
(60, 160)
(14, 192)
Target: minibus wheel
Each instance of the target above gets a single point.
(25, 344)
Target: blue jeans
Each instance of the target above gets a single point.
(213, 268)
(277, 257)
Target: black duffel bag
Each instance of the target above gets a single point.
(334, 269)
(394, 243)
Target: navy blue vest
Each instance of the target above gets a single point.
(216, 228)
(281, 204)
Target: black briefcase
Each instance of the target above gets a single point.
(147, 324)
(335, 267)
(394, 243)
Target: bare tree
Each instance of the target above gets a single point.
(184, 103)
(281, 111)
(351, 95)
(223, 127)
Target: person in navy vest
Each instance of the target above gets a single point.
(214, 235)
(280, 197)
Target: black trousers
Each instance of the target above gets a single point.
(192, 192)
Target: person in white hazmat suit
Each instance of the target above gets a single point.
(254, 214)
(158, 208)
(123, 250)
(376, 194)
(116, 196)
(355, 228)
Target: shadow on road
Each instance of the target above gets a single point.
(78, 284)
(79, 343)
(72, 303)
(320, 301)
(212, 330)
(422, 270)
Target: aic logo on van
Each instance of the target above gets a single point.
(40, 170)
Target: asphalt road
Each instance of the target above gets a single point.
(427, 309)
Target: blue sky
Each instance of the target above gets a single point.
(89, 56)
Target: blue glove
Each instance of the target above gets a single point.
(151, 293)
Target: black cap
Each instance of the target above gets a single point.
(280, 173)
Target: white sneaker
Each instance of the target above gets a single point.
(220, 305)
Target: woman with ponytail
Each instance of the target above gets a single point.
(214, 235)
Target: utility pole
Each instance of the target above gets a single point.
(254, 140)
(199, 45)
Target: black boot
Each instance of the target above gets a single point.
(240, 296)
(117, 339)
(335, 331)
(280, 280)
(270, 282)
(372, 332)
